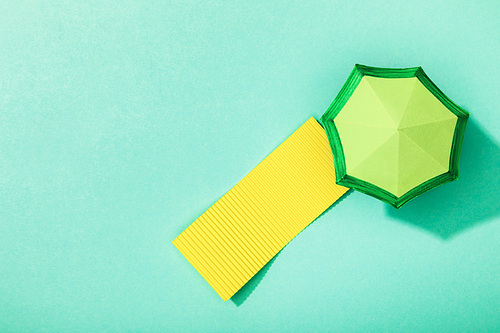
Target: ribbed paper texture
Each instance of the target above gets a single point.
(251, 223)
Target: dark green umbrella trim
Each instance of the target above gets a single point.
(341, 176)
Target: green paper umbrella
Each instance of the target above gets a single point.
(394, 134)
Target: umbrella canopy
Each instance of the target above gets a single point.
(394, 134)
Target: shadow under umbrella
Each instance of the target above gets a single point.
(457, 206)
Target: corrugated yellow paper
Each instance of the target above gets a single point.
(252, 222)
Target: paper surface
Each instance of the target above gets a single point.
(251, 223)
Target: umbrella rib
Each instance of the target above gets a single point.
(408, 101)
(370, 154)
(430, 122)
(422, 149)
(382, 103)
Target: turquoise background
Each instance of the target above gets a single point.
(121, 122)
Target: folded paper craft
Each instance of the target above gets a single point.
(390, 133)
(394, 134)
